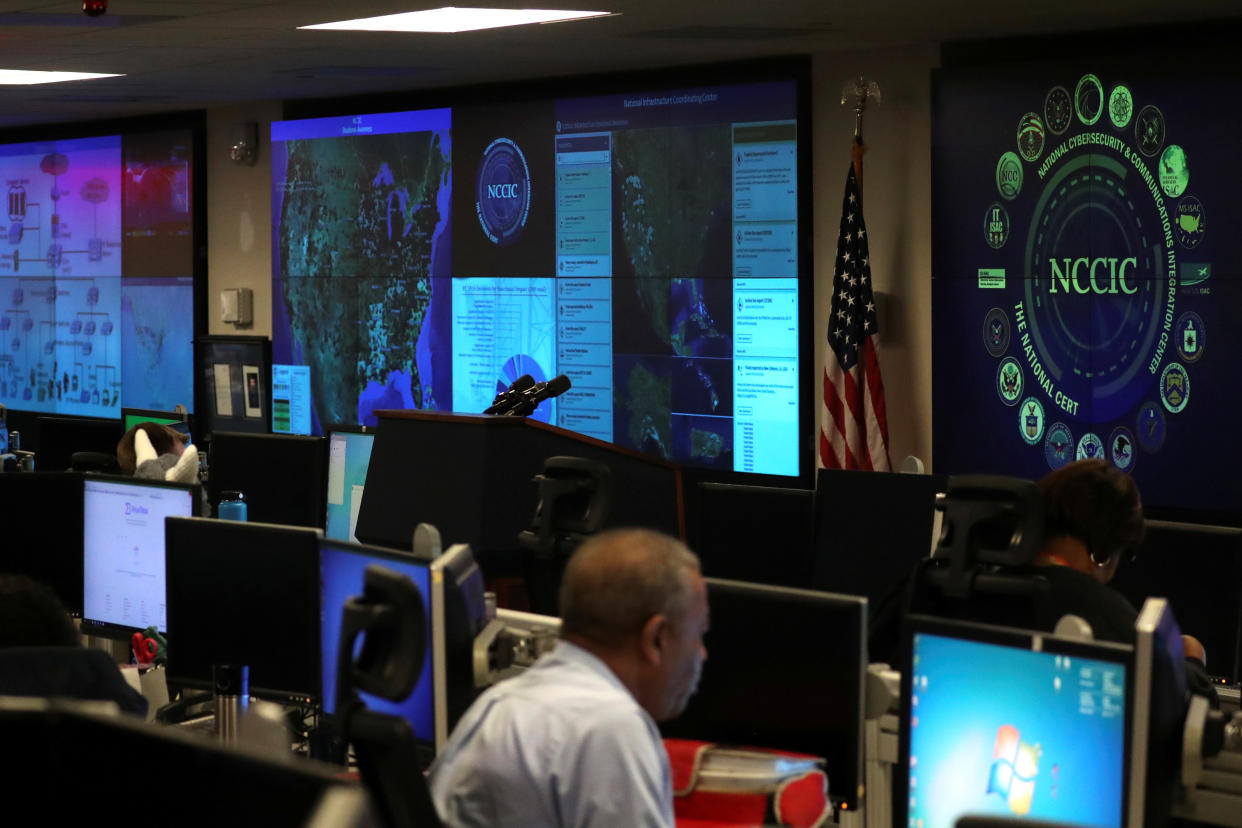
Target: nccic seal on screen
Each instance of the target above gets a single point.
(1031, 421)
(1090, 447)
(1058, 446)
(1174, 387)
(996, 332)
(1150, 427)
(1030, 136)
(1009, 381)
(1121, 448)
(1009, 176)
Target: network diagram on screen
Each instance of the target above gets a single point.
(1084, 271)
(96, 282)
(645, 245)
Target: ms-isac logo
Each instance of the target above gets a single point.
(503, 192)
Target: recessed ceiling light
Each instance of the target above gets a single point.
(26, 77)
(450, 19)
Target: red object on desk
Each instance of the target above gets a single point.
(145, 649)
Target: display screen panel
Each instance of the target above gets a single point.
(647, 245)
(1084, 276)
(1038, 735)
(97, 274)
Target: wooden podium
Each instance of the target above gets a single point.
(471, 476)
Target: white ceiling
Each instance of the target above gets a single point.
(188, 54)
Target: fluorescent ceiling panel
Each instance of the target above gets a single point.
(25, 77)
(450, 19)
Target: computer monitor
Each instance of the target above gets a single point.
(42, 531)
(123, 551)
(131, 417)
(291, 399)
(782, 529)
(871, 528)
(281, 475)
(349, 456)
(458, 614)
(1209, 608)
(1009, 723)
(61, 437)
(342, 567)
(185, 778)
(244, 594)
(785, 671)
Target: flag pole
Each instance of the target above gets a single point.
(856, 93)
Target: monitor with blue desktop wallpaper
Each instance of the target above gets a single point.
(1009, 724)
(123, 551)
(648, 237)
(342, 567)
(349, 457)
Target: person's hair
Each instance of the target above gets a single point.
(1095, 503)
(32, 616)
(617, 580)
(164, 440)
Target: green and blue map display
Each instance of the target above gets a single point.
(644, 245)
(1085, 276)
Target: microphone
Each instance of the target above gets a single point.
(506, 399)
(538, 393)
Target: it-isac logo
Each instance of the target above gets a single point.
(503, 192)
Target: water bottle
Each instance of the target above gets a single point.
(231, 684)
(232, 506)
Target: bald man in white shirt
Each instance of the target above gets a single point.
(572, 742)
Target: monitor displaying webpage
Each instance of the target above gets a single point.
(349, 457)
(123, 551)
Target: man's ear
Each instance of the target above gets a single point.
(651, 640)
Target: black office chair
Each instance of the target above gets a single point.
(390, 616)
(991, 531)
(575, 497)
(982, 569)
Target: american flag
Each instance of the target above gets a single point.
(853, 432)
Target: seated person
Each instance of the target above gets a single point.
(41, 653)
(160, 453)
(1093, 519)
(573, 741)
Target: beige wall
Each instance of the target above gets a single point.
(897, 207)
(897, 187)
(239, 224)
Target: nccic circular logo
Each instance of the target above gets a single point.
(503, 192)
(1009, 175)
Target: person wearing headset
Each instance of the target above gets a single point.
(1093, 521)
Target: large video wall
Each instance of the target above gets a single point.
(1086, 264)
(645, 244)
(96, 274)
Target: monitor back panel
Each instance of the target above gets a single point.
(281, 475)
(784, 672)
(43, 531)
(244, 594)
(871, 528)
